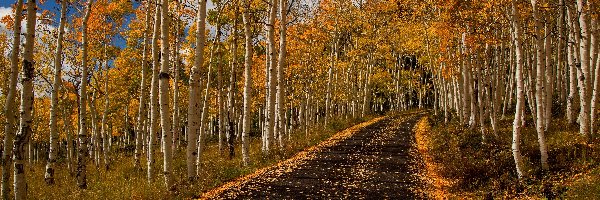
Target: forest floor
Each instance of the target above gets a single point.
(457, 163)
(123, 181)
(372, 160)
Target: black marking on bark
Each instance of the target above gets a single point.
(28, 70)
(19, 168)
(164, 75)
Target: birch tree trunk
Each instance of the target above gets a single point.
(154, 93)
(49, 175)
(104, 125)
(27, 75)
(272, 76)
(540, 85)
(366, 107)
(231, 114)
(584, 79)
(218, 58)
(204, 126)
(82, 136)
(464, 90)
(247, 83)
(143, 106)
(520, 95)
(596, 87)
(95, 131)
(194, 92)
(572, 68)
(165, 112)
(67, 127)
(9, 105)
(175, 125)
(281, 72)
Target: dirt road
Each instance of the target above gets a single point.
(372, 162)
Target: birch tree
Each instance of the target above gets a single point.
(49, 175)
(165, 113)
(9, 110)
(584, 78)
(142, 110)
(154, 92)
(272, 62)
(82, 136)
(539, 85)
(281, 71)
(194, 92)
(572, 69)
(516, 146)
(176, 81)
(26, 111)
(247, 82)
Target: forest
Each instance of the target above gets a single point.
(172, 99)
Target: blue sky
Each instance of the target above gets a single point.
(51, 5)
(5, 9)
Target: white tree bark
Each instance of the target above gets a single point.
(104, 125)
(520, 95)
(49, 175)
(540, 85)
(67, 127)
(572, 69)
(464, 82)
(82, 136)
(584, 79)
(366, 107)
(204, 126)
(9, 105)
(94, 150)
(281, 73)
(194, 92)
(165, 112)
(596, 87)
(247, 83)
(176, 114)
(25, 130)
(231, 111)
(142, 109)
(270, 26)
(154, 93)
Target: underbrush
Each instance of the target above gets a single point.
(123, 181)
(474, 168)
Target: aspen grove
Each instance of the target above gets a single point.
(163, 92)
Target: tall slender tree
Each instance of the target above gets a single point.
(49, 175)
(165, 112)
(25, 129)
(142, 110)
(83, 135)
(281, 72)
(154, 112)
(247, 82)
(9, 110)
(516, 140)
(272, 63)
(195, 91)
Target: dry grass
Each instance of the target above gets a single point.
(464, 166)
